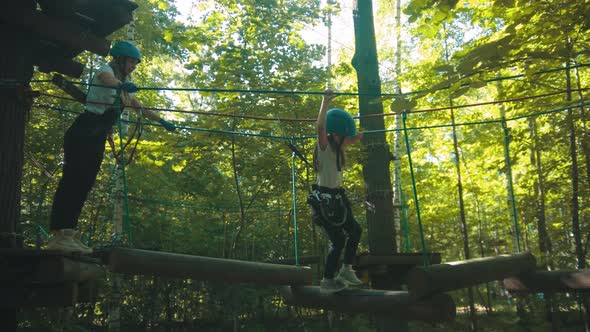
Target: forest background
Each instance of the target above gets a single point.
(482, 80)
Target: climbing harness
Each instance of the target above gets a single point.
(330, 206)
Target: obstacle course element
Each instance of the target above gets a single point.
(549, 281)
(62, 29)
(35, 278)
(164, 264)
(413, 259)
(440, 278)
(398, 304)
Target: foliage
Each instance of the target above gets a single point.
(205, 191)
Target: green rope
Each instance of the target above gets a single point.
(404, 216)
(293, 180)
(244, 91)
(422, 241)
(306, 137)
(510, 183)
(41, 230)
(126, 219)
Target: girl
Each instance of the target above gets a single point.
(330, 207)
(85, 140)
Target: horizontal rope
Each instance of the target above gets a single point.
(436, 109)
(296, 92)
(365, 132)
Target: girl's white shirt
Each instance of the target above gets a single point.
(328, 174)
(99, 99)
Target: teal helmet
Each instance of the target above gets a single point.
(125, 48)
(340, 122)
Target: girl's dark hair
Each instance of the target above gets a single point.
(336, 146)
(118, 63)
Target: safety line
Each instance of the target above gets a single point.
(296, 92)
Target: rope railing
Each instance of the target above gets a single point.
(299, 92)
(278, 119)
(306, 137)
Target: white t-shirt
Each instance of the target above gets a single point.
(328, 174)
(99, 99)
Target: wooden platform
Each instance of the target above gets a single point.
(398, 304)
(58, 30)
(32, 278)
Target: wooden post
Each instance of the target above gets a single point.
(15, 64)
(164, 264)
(393, 304)
(455, 275)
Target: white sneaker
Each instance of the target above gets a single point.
(329, 286)
(65, 242)
(347, 275)
(81, 244)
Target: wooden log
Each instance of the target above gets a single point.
(28, 266)
(60, 295)
(164, 264)
(305, 260)
(69, 88)
(394, 304)
(414, 259)
(559, 281)
(364, 260)
(61, 65)
(70, 34)
(56, 269)
(440, 278)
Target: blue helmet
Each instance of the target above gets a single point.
(340, 122)
(125, 48)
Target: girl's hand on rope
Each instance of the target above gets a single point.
(328, 96)
(168, 125)
(128, 87)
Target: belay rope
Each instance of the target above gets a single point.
(135, 134)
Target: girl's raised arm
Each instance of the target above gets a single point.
(321, 122)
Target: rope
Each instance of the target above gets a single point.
(262, 118)
(126, 219)
(368, 132)
(421, 230)
(246, 91)
(404, 216)
(136, 131)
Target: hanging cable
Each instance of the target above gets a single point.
(423, 242)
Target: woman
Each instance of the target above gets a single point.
(84, 142)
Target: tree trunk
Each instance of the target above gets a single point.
(242, 225)
(15, 64)
(464, 227)
(397, 138)
(376, 174)
(539, 196)
(575, 205)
